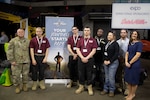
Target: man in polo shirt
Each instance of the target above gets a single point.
(39, 48)
(86, 48)
(72, 64)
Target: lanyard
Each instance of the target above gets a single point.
(85, 42)
(39, 41)
(107, 45)
(98, 41)
(75, 40)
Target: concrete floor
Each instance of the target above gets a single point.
(60, 92)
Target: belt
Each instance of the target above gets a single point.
(24, 63)
(36, 54)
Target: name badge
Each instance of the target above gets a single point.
(84, 50)
(74, 48)
(43, 41)
(105, 53)
(90, 41)
(39, 51)
(99, 48)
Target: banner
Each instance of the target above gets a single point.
(131, 15)
(58, 29)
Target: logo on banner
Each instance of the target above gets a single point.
(135, 8)
(59, 23)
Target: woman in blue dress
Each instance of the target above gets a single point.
(133, 64)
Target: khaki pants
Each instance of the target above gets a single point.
(20, 73)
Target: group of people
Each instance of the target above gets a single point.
(108, 56)
(86, 53)
(19, 57)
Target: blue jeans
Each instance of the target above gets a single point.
(110, 72)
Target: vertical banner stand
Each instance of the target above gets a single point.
(58, 29)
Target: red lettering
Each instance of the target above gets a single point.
(136, 21)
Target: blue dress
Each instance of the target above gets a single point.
(132, 74)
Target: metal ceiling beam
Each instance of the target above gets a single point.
(38, 4)
(10, 17)
(62, 3)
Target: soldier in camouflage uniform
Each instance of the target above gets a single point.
(18, 55)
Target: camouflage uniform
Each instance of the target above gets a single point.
(18, 51)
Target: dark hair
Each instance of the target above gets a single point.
(125, 30)
(138, 36)
(113, 32)
(75, 26)
(86, 27)
(100, 29)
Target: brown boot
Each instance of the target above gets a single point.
(90, 90)
(42, 85)
(17, 90)
(80, 89)
(70, 84)
(24, 87)
(111, 94)
(103, 92)
(34, 86)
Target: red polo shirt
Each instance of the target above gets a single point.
(35, 45)
(73, 42)
(85, 50)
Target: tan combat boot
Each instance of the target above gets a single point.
(90, 90)
(70, 84)
(80, 89)
(111, 94)
(42, 84)
(34, 86)
(24, 87)
(17, 90)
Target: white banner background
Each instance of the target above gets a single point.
(131, 15)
